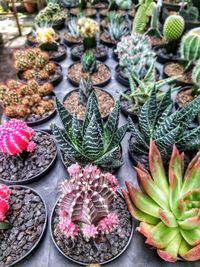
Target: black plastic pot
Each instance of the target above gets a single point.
(164, 58)
(69, 43)
(31, 43)
(36, 177)
(59, 26)
(102, 84)
(82, 263)
(133, 116)
(52, 80)
(172, 7)
(115, 55)
(60, 57)
(122, 80)
(189, 25)
(177, 106)
(33, 249)
(77, 57)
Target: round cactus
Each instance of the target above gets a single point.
(190, 46)
(196, 75)
(173, 27)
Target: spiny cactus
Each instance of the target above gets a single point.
(196, 78)
(173, 28)
(85, 89)
(168, 206)
(4, 206)
(46, 38)
(91, 141)
(88, 62)
(15, 137)
(86, 199)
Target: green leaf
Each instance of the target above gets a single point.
(5, 225)
(77, 131)
(192, 237)
(152, 110)
(118, 136)
(144, 125)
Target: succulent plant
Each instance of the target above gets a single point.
(190, 13)
(114, 17)
(46, 38)
(168, 207)
(88, 62)
(4, 206)
(173, 28)
(119, 4)
(86, 200)
(142, 89)
(154, 26)
(196, 78)
(144, 12)
(157, 121)
(85, 90)
(135, 54)
(15, 137)
(70, 3)
(116, 30)
(190, 47)
(72, 27)
(91, 141)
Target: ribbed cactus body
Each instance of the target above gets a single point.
(173, 27)
(196, 75)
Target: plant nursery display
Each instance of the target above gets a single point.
(32, 63)
(29, 101)
(25, 154)
(99, 72)
(84, 8)
(168, 205)
(88, 29)
(116, 5)
(76, 101)
(72, 35)
(92, 141)
(25, 212)
(90, 214)
(158, 121)
(113, 17)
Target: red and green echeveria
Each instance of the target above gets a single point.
(168, 206)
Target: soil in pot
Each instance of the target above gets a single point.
(101, 249)
(98, 5)
(69, 39)
(100, 52)
(31, 38)
(27, 215)
(14, 169)
(106, 39)
(184, 96)
(176, 69)
(156, 41)
(102, 74)
(72, 104)
(58, 55)
(89, 12)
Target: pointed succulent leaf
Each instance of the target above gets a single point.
(152, 109)
(188, 252)
(118, 136)
(167, 112)
(168, 218)
(192, 237)
(190, 223)
(145, 229)
(145, 127)
(77, 131)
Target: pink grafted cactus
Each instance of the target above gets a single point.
(4, 194)
(15, 137)
(86, 200)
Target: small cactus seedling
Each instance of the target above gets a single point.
(85, 202)
(85, 89)
(4, 206)
(88, 62)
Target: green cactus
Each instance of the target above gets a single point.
(196, 78)
(88, 62)
(190, 13)
(173, 28)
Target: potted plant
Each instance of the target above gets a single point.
(32, 63)
(29, 101)
(135, 56)
(89, 67)
(168, 205)
(76, 100)
(29, 5)
(113, 17)
(92, 141)
(32, 38)
(116, 5)
(83, 8)
(25, 155)
(46, 42)
(88, 29)
(69, 3)
(72, 35)
(22, 223)
(190, 53)
(133, 99)
(90, 214)
(158, 121)
(51, 15)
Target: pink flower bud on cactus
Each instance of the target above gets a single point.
(109, 223)
(89, 231)
(3, 208)
(31, 147)
(91, 170)
(112, 180)
(15, 136)
(69, 228)
(74, 169)
(4, 191)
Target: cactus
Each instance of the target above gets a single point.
(42, 75)
(173, 28)
(46, 39)
(50, 68)
(190, 13)
(85, 89)
(168, 205)
(91, 210)
(4, 206)
(41, 60)
(115, 5)
(116, 29)
(88, 62)
(30, 74)
(196, 78)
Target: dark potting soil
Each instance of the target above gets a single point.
(13, 168)
(102, 248)
(89, 12)
(55, 54)
(27, 217)
(105, 37)
(162, 52)
(68, 37)
(184, 97)
(99, 51)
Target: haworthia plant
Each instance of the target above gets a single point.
(91, 141)
(158, 121)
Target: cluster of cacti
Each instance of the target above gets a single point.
(173, 28)
(72, 26)
(46, 39)
(70, 3)
(15, 137)
(88, 28)
(85, 90)
(88, 62)
(168, 206)
(21, 100)
(51, 14)
(135, 54)
(85, 202)
(158, 121)
(92, 141)
(4, 206)
(34, 63)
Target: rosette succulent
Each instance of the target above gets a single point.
(4, 206)
(168, 205)
(91, 141)
(85, 202)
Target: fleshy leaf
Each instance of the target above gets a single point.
(192, 237)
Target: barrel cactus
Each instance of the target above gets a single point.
(173, 27)
(168, 207)
(196, 78)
